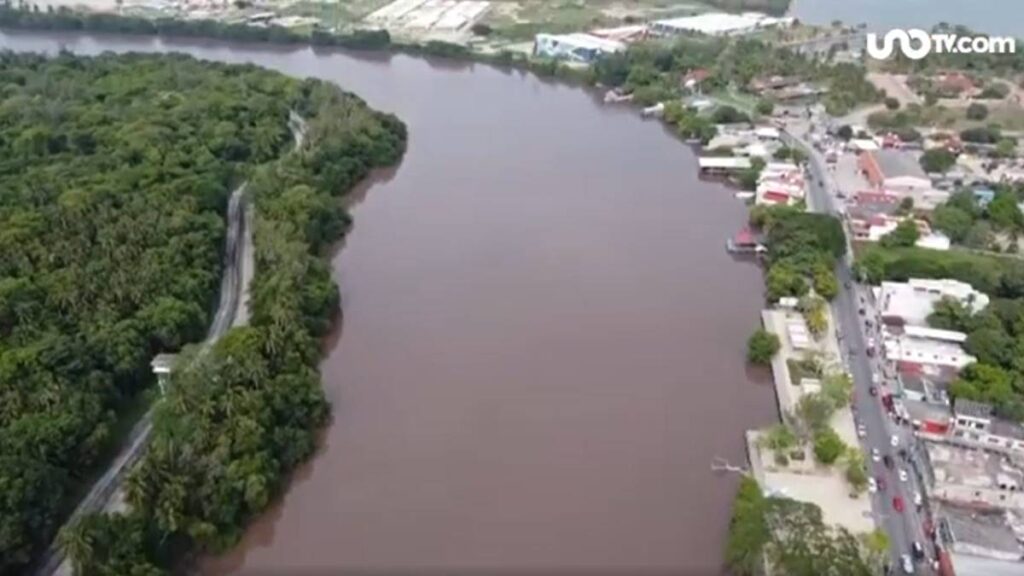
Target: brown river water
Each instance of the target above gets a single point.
(542, 344)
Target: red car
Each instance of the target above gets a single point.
(897, 503)
(873, 391)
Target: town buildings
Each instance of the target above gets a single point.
(980, 541)
(926, 353)
(780, 183)
(925, 359)
(869, 221)
(972, 477)
(898, 173)
(977, 423)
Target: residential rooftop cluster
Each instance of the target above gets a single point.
(972, 460)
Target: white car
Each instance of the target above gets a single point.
(908, 564)
(875, 455)
(872, 485)
(903, 475)
(917, 499)
(862, 431)
(895, 441)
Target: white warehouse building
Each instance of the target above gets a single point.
(577, 47)
(718, 24)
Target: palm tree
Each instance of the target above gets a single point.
(78, 542)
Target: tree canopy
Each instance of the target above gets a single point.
(792, 536)
(237, 418)
(803, 249)
(905, 234)
(937, 160)
(761, 346)
(828, 447)
(114, 178)
(116, 174)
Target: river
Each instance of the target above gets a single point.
(1003, 17)
(543, 338)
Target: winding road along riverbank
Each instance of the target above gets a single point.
(543, 338)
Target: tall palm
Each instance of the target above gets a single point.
(78, 542)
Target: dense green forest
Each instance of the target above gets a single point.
(114, 176)
(995, 335)
(237, 418)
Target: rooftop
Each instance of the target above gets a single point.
(935, 334)
(912, 301)
(863, 144)
(879, 198)
(622, 33)
(715, 23)
(965, 407)
(727, 162)
(973, 527)
(926, 411)
(973, 468)
(1006, 429)
(926, 351)
(163, 363)
(898, 164)
(967, 565)
(939, 375)
(586, 41)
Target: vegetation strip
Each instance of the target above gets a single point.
(114, 190)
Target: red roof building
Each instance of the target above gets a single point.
(775, 197)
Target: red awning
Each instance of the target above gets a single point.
(745, 237)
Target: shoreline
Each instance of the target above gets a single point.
(361, 41)
(575, 78)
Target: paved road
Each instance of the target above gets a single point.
(105, 492)
(903, 528)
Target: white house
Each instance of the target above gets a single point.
(911, 302)
(717, 24)
(915, 350)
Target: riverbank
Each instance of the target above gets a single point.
(66, 20)
(242, 412)
(621, 311)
